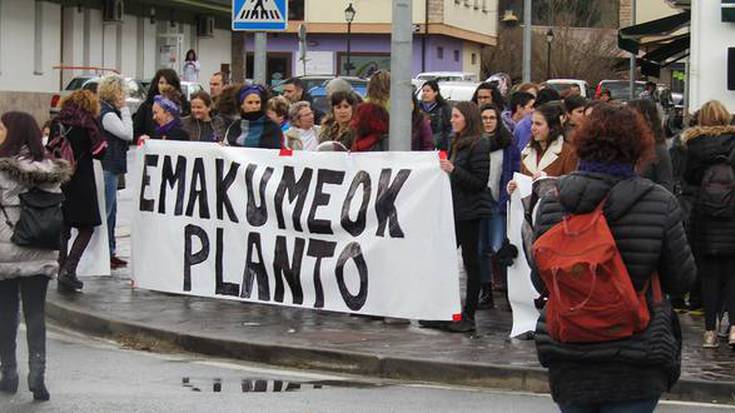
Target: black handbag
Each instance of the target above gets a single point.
(41, 220)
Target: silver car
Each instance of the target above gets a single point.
(136, 92)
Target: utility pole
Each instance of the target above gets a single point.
(527, 33)
(259, 65)
(400, 76)
(632, 61)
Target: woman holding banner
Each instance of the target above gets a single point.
(468, 169)
(254, 129)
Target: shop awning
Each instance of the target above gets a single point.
(630, 38)
(667, 53)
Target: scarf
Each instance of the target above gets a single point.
(163, 130)
(428, 107)
(622, 170)
(74, 116)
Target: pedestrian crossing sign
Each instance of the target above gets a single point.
(259, 15)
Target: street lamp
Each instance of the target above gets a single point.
(349, 18)
(549, 39)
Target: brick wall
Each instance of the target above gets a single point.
(626, 13)
(436, 11)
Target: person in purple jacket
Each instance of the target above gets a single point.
(422, 138)
(522, 132)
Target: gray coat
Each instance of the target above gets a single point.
(16, 177)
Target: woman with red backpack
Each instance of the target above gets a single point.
(598, 359)
(710, 159)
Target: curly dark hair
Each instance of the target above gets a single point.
(614, 133)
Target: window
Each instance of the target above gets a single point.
(38, 40)
(476, 5)
(467, 3)
(474, 58)
(484, 6)
(296, 9)
(440, 52)
(456, 55)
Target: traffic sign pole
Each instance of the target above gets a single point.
(401, 69)
(259, 65)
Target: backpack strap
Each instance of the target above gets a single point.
(7, 218)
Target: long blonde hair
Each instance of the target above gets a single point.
(714, 113)
(109, 87)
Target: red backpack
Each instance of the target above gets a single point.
(591, 295)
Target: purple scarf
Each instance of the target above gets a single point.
(622, 170)
(165, 129)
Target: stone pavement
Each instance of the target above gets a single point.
(109, 307)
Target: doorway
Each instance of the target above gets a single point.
(278, 67)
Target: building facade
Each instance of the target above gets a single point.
(448, 36)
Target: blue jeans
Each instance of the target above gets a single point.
(492, 235)
(632, 406)
(111, 205)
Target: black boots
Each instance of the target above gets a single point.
(9, 382)
(486, 297)
(69, 281)
(68, 262)
(36, 385)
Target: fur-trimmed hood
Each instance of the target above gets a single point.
(697, 131)
(36, 173)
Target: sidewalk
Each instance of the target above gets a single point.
(337, 342)
(298, 338)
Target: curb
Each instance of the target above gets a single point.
(502, 377)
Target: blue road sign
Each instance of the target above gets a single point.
(259, 15)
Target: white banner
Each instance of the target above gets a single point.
(95, 260)
(521, 292)
(368, 233)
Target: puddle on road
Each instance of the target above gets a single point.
(259, 385)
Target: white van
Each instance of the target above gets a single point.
(447, 76)
(560, 84)
(455, 91)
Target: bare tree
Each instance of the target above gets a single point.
(578, 50)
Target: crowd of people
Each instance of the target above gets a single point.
(658, 189)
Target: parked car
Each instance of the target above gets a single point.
(136, 92)
(310, 81)
(189, 88)
(561, 84)
(75, 83)
(619, 89)
(319, 93)
(447, 76)
(454, 92)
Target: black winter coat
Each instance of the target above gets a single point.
(660, 170)
(646, 223)
(440, 116)
(471, 196)
(80, 207)
(709, 235)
